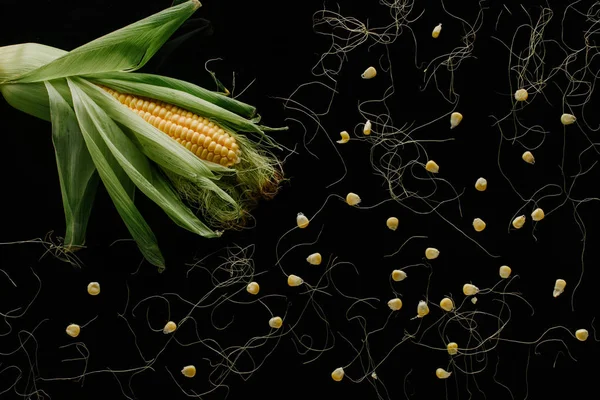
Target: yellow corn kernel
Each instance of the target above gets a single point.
(170, 327)
(184, 126)
(338, 374)
(452, 348)
(253, 288)
(73, 330)
(189, 371)
(447, 304)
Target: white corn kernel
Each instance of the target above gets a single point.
(452, 348)
(398, 275)
(455, 119)
(431, 253)
(505, 271)
(369, 73)
(392, 223)
(470, 290)
(301, 220)
(294, 281)
(352, 199)
(367, 128)
(275, 322)
(253, 288)
(170, 327)
(442, 373)
(436, 31)
(474, 300)
(432, 167)
(519, 222)
(521, 95)
(567, 119)
(528, 157)
(447, 304)
(559, 287)
(478, 224)
(395, 304)
(73, 330)
(189, 371)
(314, 259)
(422, 309)
(481, 184)
(582, 334)
(93, 288)
(345, 137)
(337, 374)
(537, 214)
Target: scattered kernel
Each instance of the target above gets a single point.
(73, 330)
(470, 290)
(314, 259)
(528, 157)
(442, 373)
(478, 224)
(422, 309)
(398, 275)
(474, 300)
(337, 374)
(481, 184)
(452, 348)
(519, 222)
(559, 287)
(345, 137)
(582, 334)
(447, 304)
(170, 327)
(537, 214)
(432, 167)
(189, 371)
(436, 31)
(431, 253)
(521, 95)
(93, 288)
(294, 281)
(275, 322)
(301, 220)
(392, 223)
(253, 288)
(505, 271)
(395, 304)
(455, 119)
(369, 73)
(367, 128)
(352, 199)
(567, 119)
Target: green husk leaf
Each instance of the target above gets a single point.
(32, 98)
(76, 170)
(126, 49)
(20, 59)
(138, 168)
(235, 106)
(116, 182)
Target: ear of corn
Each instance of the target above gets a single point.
(93, 131)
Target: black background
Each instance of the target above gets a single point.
(274, 43)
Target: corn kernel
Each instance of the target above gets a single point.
(470, 290)
(314, 259)
(189, 371)
(422, 309)
(505, 271)
(395, 304)
(521, 95)
(431, 253)
(478, 224)
(537, 214)
(559, 287)
(452, 348)
(567, 119)
(93, 288)
(338, 374)
(369, 73)
(582, 334)
(392, 223)
(302, 221)
(367, 128)
(352, 199)
(519, 222)
(528, 157)
(455, 119)
(294, 280)
(275, 322)
(481, 184)
(447, 304)
(398, 275)
(170, 327)
(442, 373)
(73, 330)
(436, 31)
(253, 288)
(432, 167)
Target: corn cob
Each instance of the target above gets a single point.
(202, 137)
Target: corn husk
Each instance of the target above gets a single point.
(97, 139)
